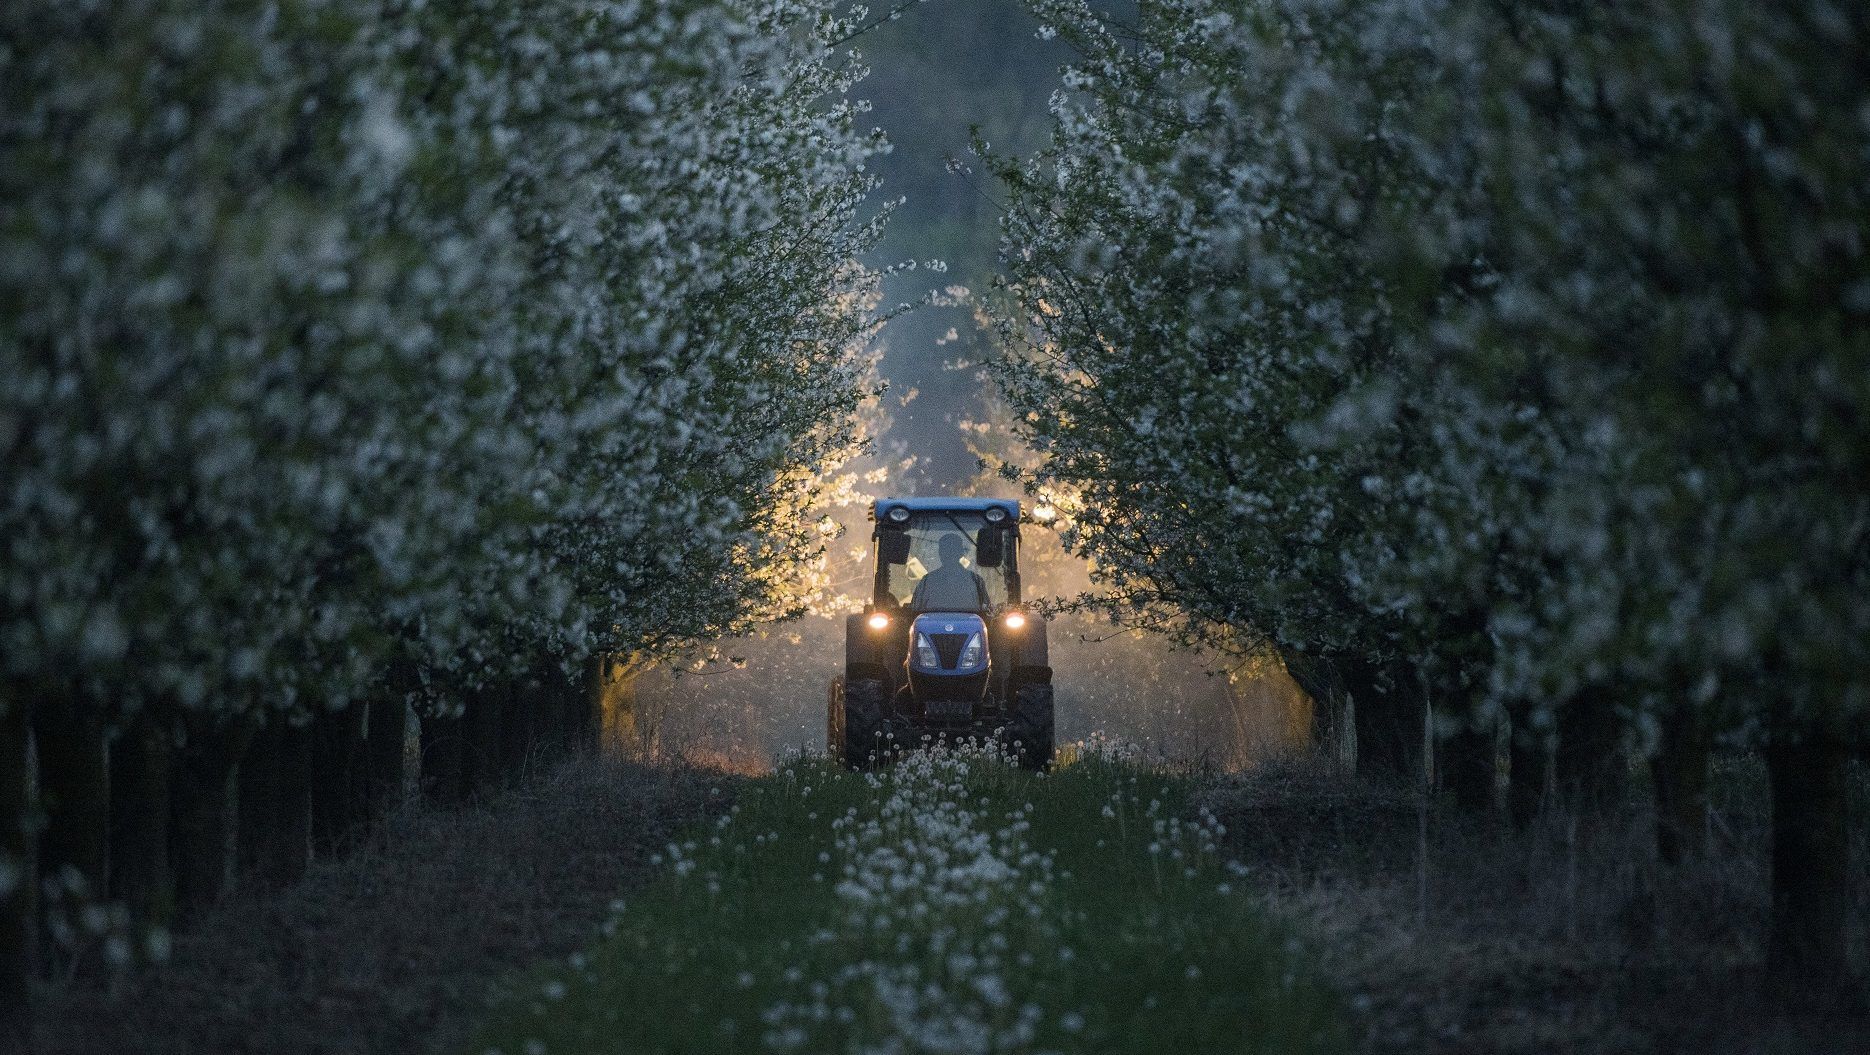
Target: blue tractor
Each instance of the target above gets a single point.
(944, 650)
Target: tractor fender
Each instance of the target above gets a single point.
(1032, 660)
(1025, 674)
(862, 652)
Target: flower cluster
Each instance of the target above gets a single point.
(939, 905)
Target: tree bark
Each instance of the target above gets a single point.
(292, 848)
(275, 805)
(258, 806)
(19, 959)
(1589, 756)
(613, 701)
(1319, 679)
(518, 732)
(386, 749)
(1529, 769)
(205, 804)
(1466, 765)
(74, 790)
(140, 872)
(337, 778)
(1679, 773)
(444, 757)
(481, 727)
(1807, 763)
(587, 721)
(1389, 726)
(564, 706)
(544, 717)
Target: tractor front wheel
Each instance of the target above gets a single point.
(1029, 732)
(857, 722)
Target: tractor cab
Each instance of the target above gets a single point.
(954, 555)
(944, 649)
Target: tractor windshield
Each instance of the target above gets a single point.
(941, 572)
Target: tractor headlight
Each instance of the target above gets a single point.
(925, 653)
(879, 621)
(898, 514)
(995, 514)
(1015, 620)
(970, 653)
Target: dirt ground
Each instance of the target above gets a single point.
(397, 947)
(1459, 936)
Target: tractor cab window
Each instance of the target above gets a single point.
(941, 570)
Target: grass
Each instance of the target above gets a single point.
(946, 904)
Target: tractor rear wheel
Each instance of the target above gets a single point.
(1029, 731)
(860, 740)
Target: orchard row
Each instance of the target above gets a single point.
(368, 355)
(1504, 362)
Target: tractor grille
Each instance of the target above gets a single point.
(948, 648)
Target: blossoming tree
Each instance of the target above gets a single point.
(371, 353)
(1501, 354)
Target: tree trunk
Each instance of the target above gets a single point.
(1679, 773)
(444, 757)
(1327, 731)
(140, 872)
(1807, 763)
(386, 743)
(518, 732)
(19, 960)
(1466, 765)
(1589, 756)
(337, 778)
(1529, 768)
(1319, 679)
(205, 803)
(533, 697)
(1389, 726)
(292, 848)
(613, 703)
(586, 718)
(74, 791)
(560, 706)
(481, 727)
(275, 805)
(254, 825)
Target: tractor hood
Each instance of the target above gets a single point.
(948, 659)
(953, 644)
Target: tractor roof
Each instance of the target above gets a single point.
(950, 505)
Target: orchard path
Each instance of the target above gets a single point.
(949, 903)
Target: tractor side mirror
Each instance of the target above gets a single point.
(893, 546)
(990, 547)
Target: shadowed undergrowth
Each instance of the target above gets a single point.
(1455, 934)
(394, 948)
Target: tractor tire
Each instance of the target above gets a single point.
(1030, 732)
(834, 720)
(860, 741)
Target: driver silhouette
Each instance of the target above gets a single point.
(949, 585)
